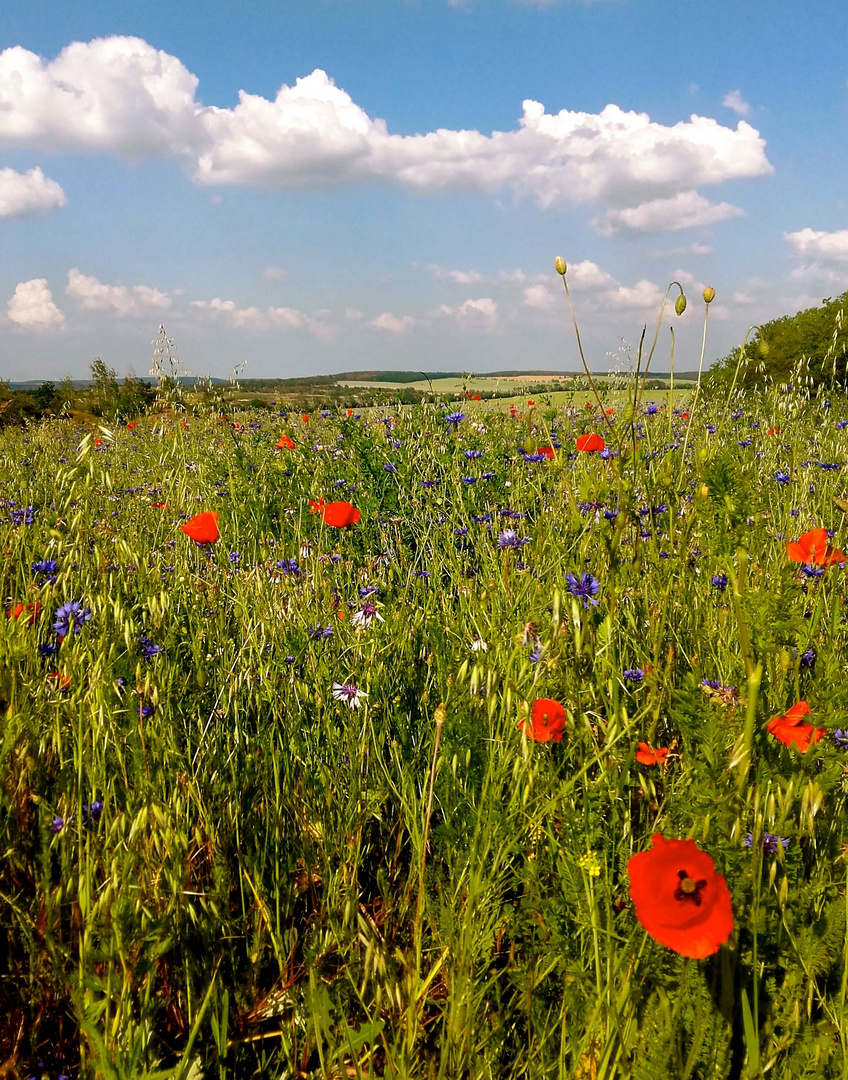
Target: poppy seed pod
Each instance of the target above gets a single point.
(559, 263)
(709, 294)
(680, 304)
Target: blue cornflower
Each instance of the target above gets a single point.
(842, 424)
(460, 531)
(48, 648)
(288, 566)
(481, 519)
(536, 655)
(509, 538)
(771, 842)
(652, 409)
(422, 573)
(45, 566)
(634, 675)
(840, 737)
(584, 588)
(430, 483)
(148, 648)
(368, 590)
(782, 477)
(471, 454)
(808, 658)
(534, 459)
(71, 616)
(469, 479)
(234, 557)
(58, 824)
(319, 632)
(455, 418)
(487, 476)
(391, 467)
(810, 571)
(720, 581)
(611, 514)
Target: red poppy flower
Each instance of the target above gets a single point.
(547, 721)
(336, 514)
(548, 451)
(645, 755)
(775, 431)
(58, 680)
(304, 417)
(590, 442)
(18, 610)
(512, 410)
(531, 403)
(132, 424)
(680, 899)
(792, 730)
(350, 412)
(98, 442)
(285, 443)
(684, 416)
(590, 404)
(478, 397)
(813, 548)
(203, 528)
(610, 412)
(160, 506)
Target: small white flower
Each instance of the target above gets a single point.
(479, 645)
(305, 551)
(348, 693)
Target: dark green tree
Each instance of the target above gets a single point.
(817, 334)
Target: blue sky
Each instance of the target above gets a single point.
(336, 184)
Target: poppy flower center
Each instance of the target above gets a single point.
(689, 889)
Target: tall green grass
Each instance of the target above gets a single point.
(281, 885)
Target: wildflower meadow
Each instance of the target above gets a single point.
(479, 740)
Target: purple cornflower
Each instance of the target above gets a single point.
(584, 588)
(808, 658)
(58, 824)
(234, 557)
(455, 418)
(422, 574)
(720, 581)
(471, 454)
(634, 675)
(509, 538)
(48, 648)
(840, 737)
(771, 842)
(71, 616)
(319, 632)
(391, 467)
(469, 479)
(430, 483)
(782, 477)
(45, 566)
(810, 571)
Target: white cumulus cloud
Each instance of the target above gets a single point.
(230, 312)
(32, 307)
(117, 94)
(539, 296)
(588, 275)
(685, 210)
(734, 100)
(830, 246)
(459, 277)
(393, 323)
(121, 300)
(27, 193)
(481, 308)
(121, 95)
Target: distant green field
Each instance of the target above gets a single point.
(474, 386)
